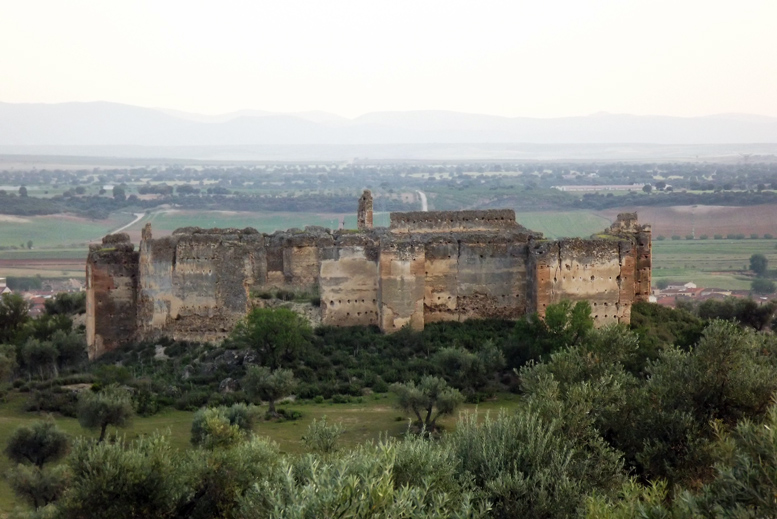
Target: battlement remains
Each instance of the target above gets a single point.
(453, 221)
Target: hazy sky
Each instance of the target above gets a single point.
(515, 58)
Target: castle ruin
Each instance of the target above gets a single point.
(425, 267)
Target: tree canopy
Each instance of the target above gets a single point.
(276, 334)
(759, 264)
(39, 443)
(110, 406)
(427, 400)
(271, 385)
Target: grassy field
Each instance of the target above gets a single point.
(709, 263)
(577, 224)
(45, 254)
(56, 230)
(363, 422)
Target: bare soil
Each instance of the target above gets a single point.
(709, 220)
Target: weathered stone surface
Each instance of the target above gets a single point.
(364, 212)
(229, 385)
(429, 266)
(453, 221)
(112, 293)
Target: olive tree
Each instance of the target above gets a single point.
(40, 357)
(428, 400)
(276, 334)
(111, 406)
(38, 487)
(145, 478)
(32, 446)
(37, 444)
(270, 385)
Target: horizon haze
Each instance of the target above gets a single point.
(503, 58)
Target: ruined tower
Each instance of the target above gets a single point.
(364, 214)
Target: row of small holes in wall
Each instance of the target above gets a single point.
(358, 314)
(440, 220)
(593, 278)
(503, 296)
(348, 301)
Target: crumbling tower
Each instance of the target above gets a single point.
(364, 215)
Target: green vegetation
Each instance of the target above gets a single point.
(587, 422)
(431, 396)
(57, 231)
(110, 406)
(715, 263)
(572, 224)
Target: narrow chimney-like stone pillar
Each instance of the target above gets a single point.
(145, 234)
(364, 215)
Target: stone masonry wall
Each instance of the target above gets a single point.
(475, 275)
(453, 221)
(401, 283)
(349, 281)
(427, 267)
(599, 271)
(111, 297)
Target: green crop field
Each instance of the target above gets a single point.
(56, 230)
(710, 263)
(576, 224)
(45, 254)
(363, 422)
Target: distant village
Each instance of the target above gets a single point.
(49, 288)
(689, 292)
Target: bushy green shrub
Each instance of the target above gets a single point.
(192, 400)
(530, 467)
(322, 437)
(341, 399)
(56, 400)
(222, 426)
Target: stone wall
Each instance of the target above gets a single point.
(111, 296)
(401, 283)
(427, 267)
(475, 275)
(597, 271)
(453, 221)
(348, 282)
(195, 284)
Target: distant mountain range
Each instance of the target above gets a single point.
(113, 124)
